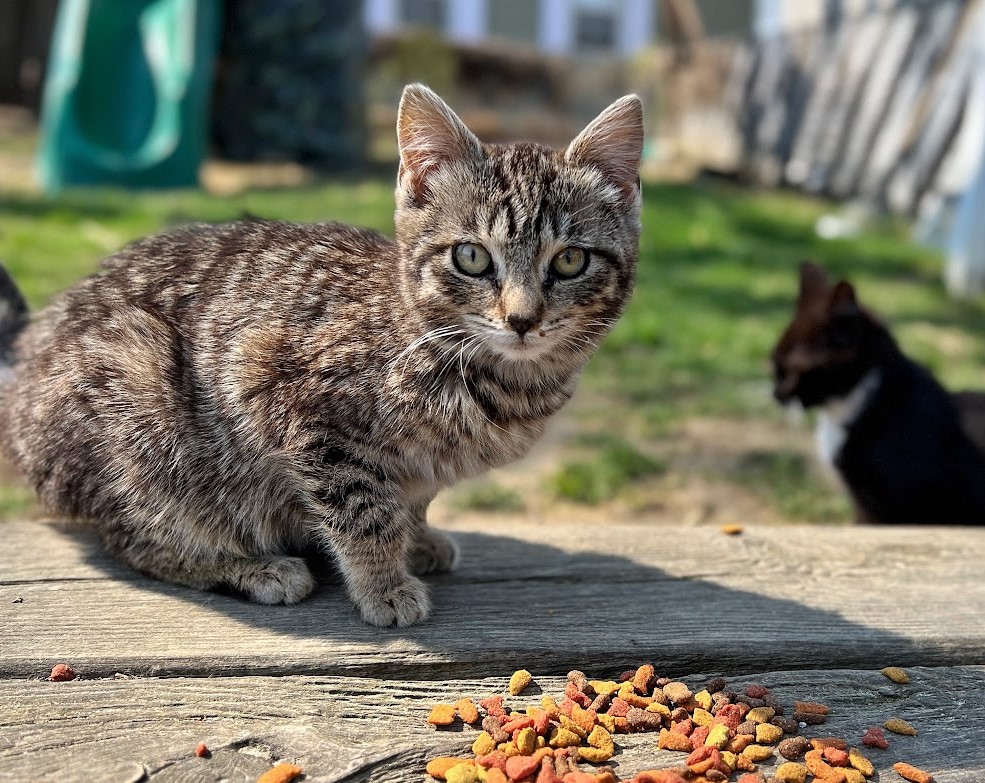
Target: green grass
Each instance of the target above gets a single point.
(717, 277)
(488, 496)
(612, 466)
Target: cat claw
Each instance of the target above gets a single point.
(405, 604)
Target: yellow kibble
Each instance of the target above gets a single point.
(608, 722)
(519, 681)
(703, 699)
(600, 738)
(570, 725)
(541, 742)
(896, 674)
(561, 737)
(595, 755)
(465, 773)
(791, 772)
(730, 759)
(757, 752)
(657, 707)
(718, 736)
(900, 726)
(852, 775)
(761, 714)
(437, 767)
(484, 744)
(861, 763)
(767, 733)
(604, 687)
(702, 717)
(526, 741)
(509, 748)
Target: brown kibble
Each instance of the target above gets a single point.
(202, 750)
(442, 715)
(896, 674)
(677, 692)
(910, 772)
(61, 672)
(811, 707)
(900, 726)
(874, 738)
(519, 681)
(282, 773)
(820, 743)
(793, 748)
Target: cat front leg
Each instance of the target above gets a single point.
(432, 551)
(371, 532)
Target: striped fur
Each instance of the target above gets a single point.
(220, 400)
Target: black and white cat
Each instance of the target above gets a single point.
(904, 447)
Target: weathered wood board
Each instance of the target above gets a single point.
(818, 609)
(357, 729)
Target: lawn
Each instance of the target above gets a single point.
(674, 418)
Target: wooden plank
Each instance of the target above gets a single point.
(355, 729)
(825, 597)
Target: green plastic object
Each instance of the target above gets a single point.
(126, 99)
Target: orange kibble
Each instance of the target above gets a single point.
(437, 767)
(202, 750)
(910, 772)
(467, 710)
(442, 715)
(282, 773)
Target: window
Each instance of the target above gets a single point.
(596, 24)
(423, 13)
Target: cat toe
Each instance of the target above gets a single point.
(433, 552)
(279, 580)
(403, 605)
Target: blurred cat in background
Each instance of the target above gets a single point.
(908, 451)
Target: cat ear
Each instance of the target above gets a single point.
(813, 283)
(843, 296)
(429, 134)
(613, 144)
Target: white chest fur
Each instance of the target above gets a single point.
(838, 414)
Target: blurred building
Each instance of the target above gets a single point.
(559, 27)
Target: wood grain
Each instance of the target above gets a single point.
(357, 729)
(162, 668)
(566, 597)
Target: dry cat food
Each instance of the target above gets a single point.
(61, 672)
(202, 750)
(910, 772)
(282, 773)
(726, 734)
(896, 674)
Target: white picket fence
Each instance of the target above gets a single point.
(887, 108)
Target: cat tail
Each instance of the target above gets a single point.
(13, 317)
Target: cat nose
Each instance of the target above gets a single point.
(521, 324)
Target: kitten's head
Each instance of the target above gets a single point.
(519, 251)
(830, 344)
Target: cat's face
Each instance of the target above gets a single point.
(828, 346)
(517, 252)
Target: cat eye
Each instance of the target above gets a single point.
(471, 259)
(569, 263)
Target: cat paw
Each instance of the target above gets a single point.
(433, 552)
(403, 605)
(277, 580)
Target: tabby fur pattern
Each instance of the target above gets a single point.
(219, 400)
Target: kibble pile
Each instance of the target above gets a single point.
(725, 733)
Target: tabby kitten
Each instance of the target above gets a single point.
(892, 433)
(219, 399)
